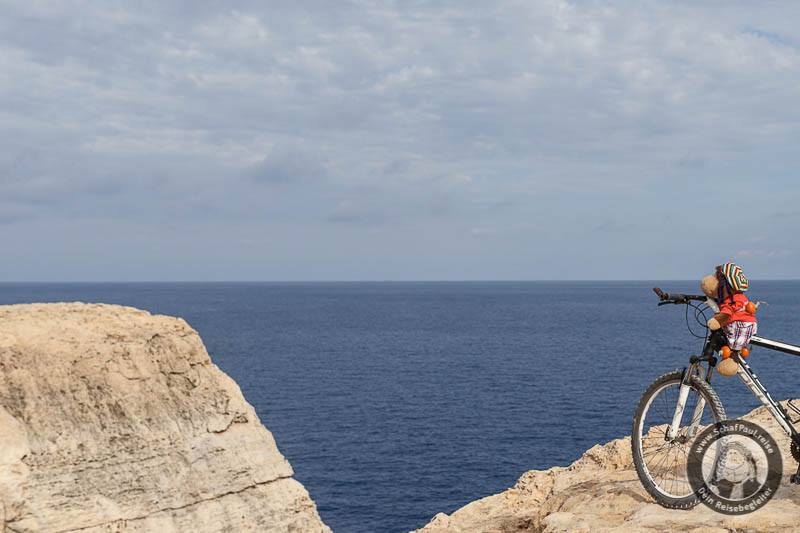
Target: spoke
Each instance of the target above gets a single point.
(666, 460)
(654, 451)
(661, 462)
(675, 467)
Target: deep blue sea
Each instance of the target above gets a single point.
(395, 401)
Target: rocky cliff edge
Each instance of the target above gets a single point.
(113, 419)
(601, 493)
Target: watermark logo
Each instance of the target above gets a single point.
(734, 467)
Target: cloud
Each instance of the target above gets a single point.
(771, 37)
(348, 213)
(482, 232)
(284, 166)
(10, 219)
(780, 253)
(299, 119)
(615, 226)
(786, 214)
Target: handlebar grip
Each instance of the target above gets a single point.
(673, 298)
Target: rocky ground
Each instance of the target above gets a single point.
(113, 419)
(601, 493)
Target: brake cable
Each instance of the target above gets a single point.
(699, 312)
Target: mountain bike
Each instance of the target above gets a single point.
(679, 404)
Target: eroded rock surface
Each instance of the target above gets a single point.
(113, 419)
(601, 493)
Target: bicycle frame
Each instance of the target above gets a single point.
(748, 377)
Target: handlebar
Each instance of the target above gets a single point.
(676, 298)
(714, 340)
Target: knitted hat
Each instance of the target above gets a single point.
(735, 277)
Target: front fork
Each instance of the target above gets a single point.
(683, 396)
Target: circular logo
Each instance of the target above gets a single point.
(734, 467)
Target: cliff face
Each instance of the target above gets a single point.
(112, 419)
(601, 493)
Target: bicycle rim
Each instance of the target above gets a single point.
(663, 461)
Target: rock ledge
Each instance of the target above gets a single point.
(601, 493)
(113, 419)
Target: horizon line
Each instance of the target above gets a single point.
(296, 281)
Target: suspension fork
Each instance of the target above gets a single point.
(701, 404)
(683, 396)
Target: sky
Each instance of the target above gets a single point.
(361, 140)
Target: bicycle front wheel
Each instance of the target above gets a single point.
(660, 452)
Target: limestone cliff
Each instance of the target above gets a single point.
(601, 493)
(113, 419)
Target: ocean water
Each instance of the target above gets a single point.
(395, 401)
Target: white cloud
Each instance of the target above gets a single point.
(236, 29)
(420, 116)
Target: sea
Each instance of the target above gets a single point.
(395, 401)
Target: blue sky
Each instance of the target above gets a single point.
(398, 140)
